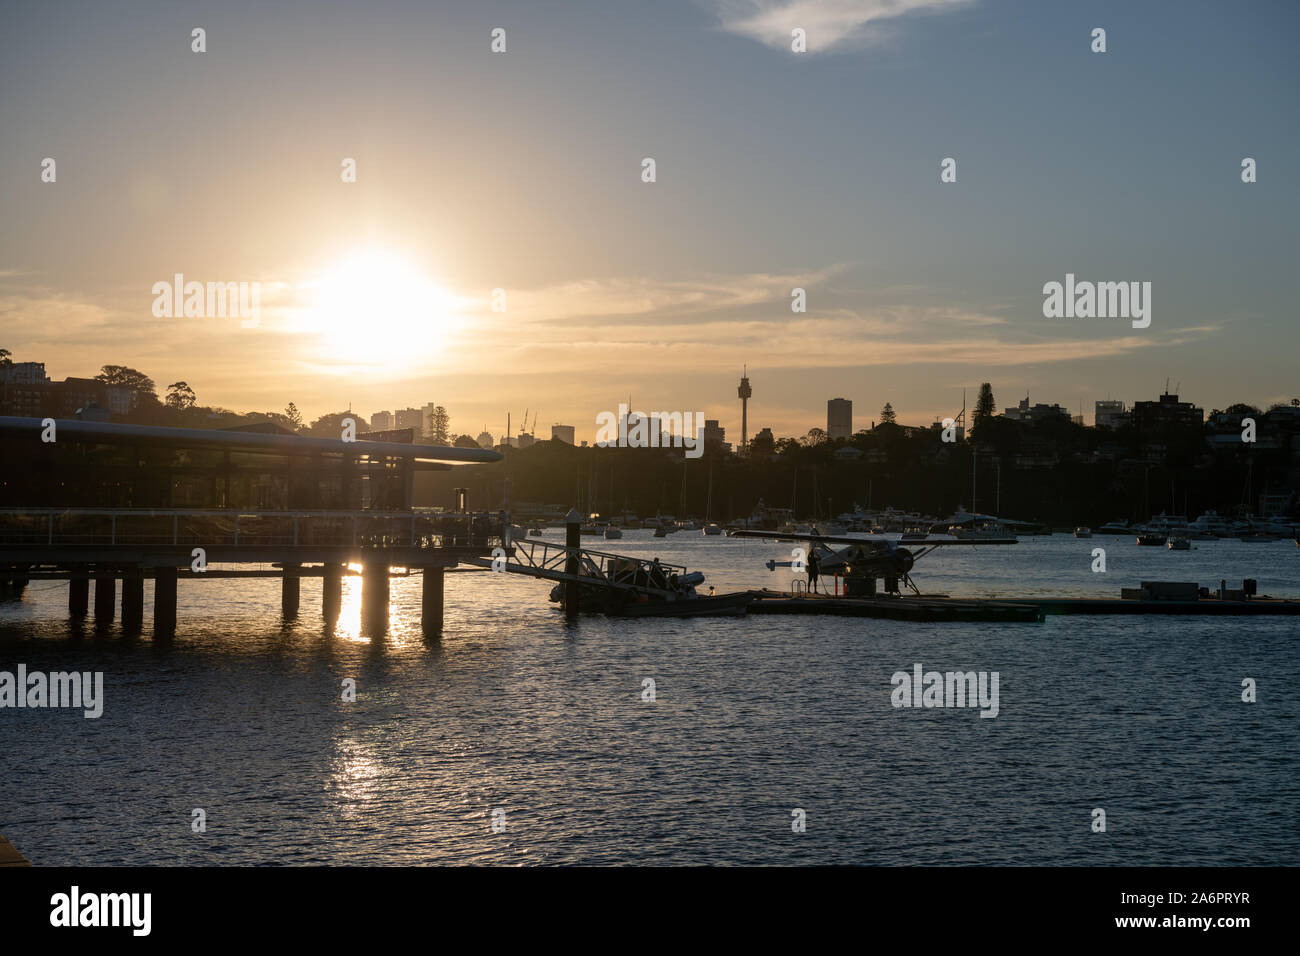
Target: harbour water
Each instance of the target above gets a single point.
(242, 716)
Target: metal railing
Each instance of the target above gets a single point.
(118, 527)
(546, 559)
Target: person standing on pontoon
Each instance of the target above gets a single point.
(814, 569)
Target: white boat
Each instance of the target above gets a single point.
(1213, 525)
(1171, 526)
(983, 531)
(1083, 532)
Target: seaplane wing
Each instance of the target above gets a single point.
(876, 541)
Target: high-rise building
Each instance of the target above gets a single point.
(839, 418)
(714, 434)
(484, 439)
(1111, 414)
(381, 421)
(1023, 412)
(1167, 411)
(744, 392)
(562, 433)
(23, 373)
(410, 418)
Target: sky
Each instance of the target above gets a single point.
(522, 171)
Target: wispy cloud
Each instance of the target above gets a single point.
(828, 24)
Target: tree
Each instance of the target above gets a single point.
(293, 416)
(126, 377)
(887, 416)
(815, 437)
(4, 358)
(180, 396)
(465, 441)
(439, 422)
(329, 426)
(984, 406)
(763, 444)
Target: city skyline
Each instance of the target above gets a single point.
(381, 289)
(1109, 411)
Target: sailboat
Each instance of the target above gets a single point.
(710, 527)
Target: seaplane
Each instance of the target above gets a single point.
(861, 561)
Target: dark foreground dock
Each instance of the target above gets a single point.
(10, 856)
(1210, 606)
(896, 608)
(1014, 610)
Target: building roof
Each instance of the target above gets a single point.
(279, 444)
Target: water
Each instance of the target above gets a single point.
(241, 716)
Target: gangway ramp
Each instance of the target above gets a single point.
(546, 559)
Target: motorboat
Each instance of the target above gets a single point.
(712, 528)
(983, 531)
(1083, 532)
(914, 534)
(1151, 539)
(1180, 544)
(612, 532)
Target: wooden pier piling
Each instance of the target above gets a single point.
(133, 599)
(573, 541)
(432, 599)
(105, 597)
(332, 591)
(164, 601)
(289, 590)
(374, 590)
(78, 593)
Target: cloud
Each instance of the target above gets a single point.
(829, 24)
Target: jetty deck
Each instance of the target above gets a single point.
(1009, 610)
(900, 608)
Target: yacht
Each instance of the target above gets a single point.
(983, 531)
(1168, 525)
(1211, 525)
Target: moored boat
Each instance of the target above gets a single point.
(1083, 532)
(1180, 544)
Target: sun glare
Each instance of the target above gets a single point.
(376, 307)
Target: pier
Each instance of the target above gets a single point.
(126, 547)
(114, 505)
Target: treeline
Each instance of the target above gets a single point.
(914, 470)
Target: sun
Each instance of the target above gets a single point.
(375, 307)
